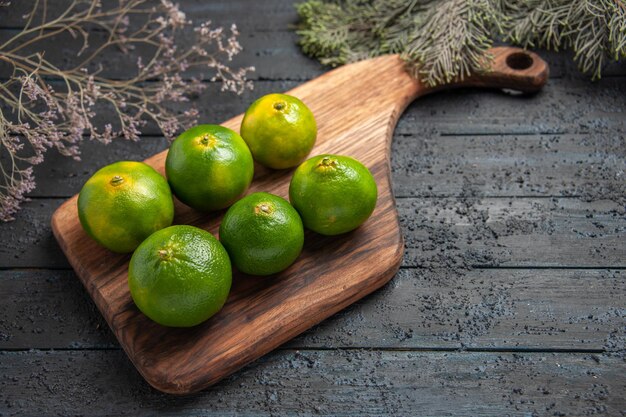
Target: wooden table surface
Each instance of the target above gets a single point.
(511, 299)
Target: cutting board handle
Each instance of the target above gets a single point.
(511, 68)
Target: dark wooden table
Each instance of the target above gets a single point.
(511, 299)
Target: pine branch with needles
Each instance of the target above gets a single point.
(446, 40)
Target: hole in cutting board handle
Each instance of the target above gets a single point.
(519, 61)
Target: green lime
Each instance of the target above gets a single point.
(209, 167)
(124, 203)
(333, 194)
(180, 276)
(280, 130)
(262, 233)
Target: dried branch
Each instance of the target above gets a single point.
(35, 117)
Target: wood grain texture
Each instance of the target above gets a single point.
(511, 232)
(356, 107)
(338, 383)
(564, 106)
(423, 164)
(428, 164)
(489, 309)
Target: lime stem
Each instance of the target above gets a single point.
(116, 180)
(164, 254)
(279, 106)
(207, 139)
(263, 207)
(327, 161)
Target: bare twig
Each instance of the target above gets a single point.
(35, 117)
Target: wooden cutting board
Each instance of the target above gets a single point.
(356, 108)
